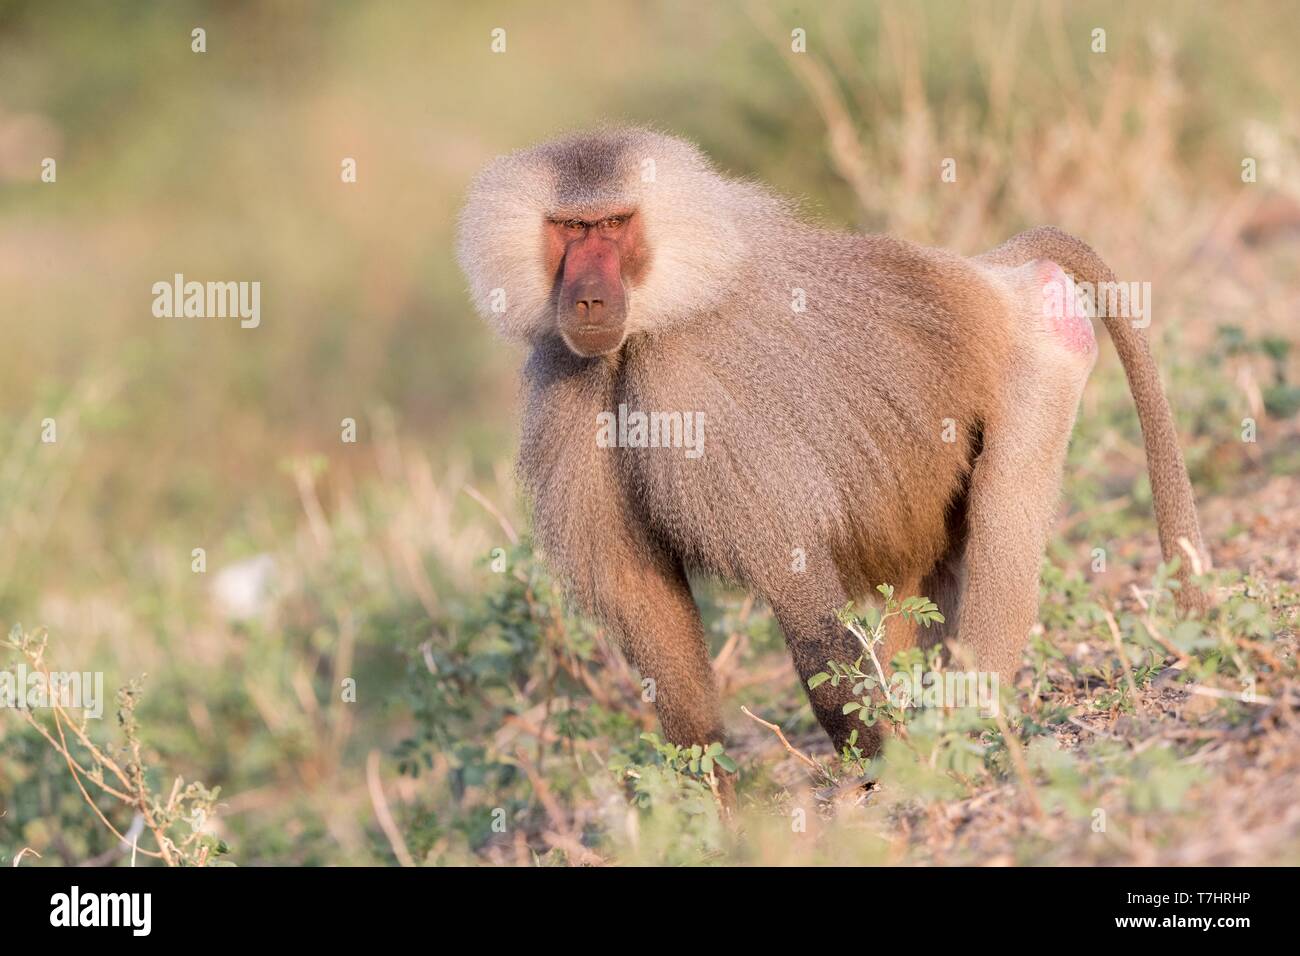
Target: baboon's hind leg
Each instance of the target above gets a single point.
(945, 585)
(1016, 481)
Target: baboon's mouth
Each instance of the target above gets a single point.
(590, 339)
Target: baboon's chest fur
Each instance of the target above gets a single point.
(816, 444)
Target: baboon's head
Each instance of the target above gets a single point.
(599, 235)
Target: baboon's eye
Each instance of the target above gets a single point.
(574, 224)
(613, 222)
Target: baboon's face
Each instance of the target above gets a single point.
(598, 236)
(595, 257)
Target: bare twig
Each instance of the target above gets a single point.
(311, 506)
(1220, 694)
(963, 656)
(140, 799)
(1123, 656)
(818, 768)
(1093, 730)
(1137, 596)
(1018, 763)
(1181, 660)
(491, 509)
(1198, 567)
(382, 814)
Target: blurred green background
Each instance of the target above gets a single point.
(175, 434)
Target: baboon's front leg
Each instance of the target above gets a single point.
(598, 545)
(808, 614)
(815, 637)
(647, 601)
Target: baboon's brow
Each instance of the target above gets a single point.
(588, 170)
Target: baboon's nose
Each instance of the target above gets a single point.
(590, 314)
(589, 303)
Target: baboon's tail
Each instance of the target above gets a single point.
(1170, 487)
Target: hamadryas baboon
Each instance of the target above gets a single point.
(870, 410)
